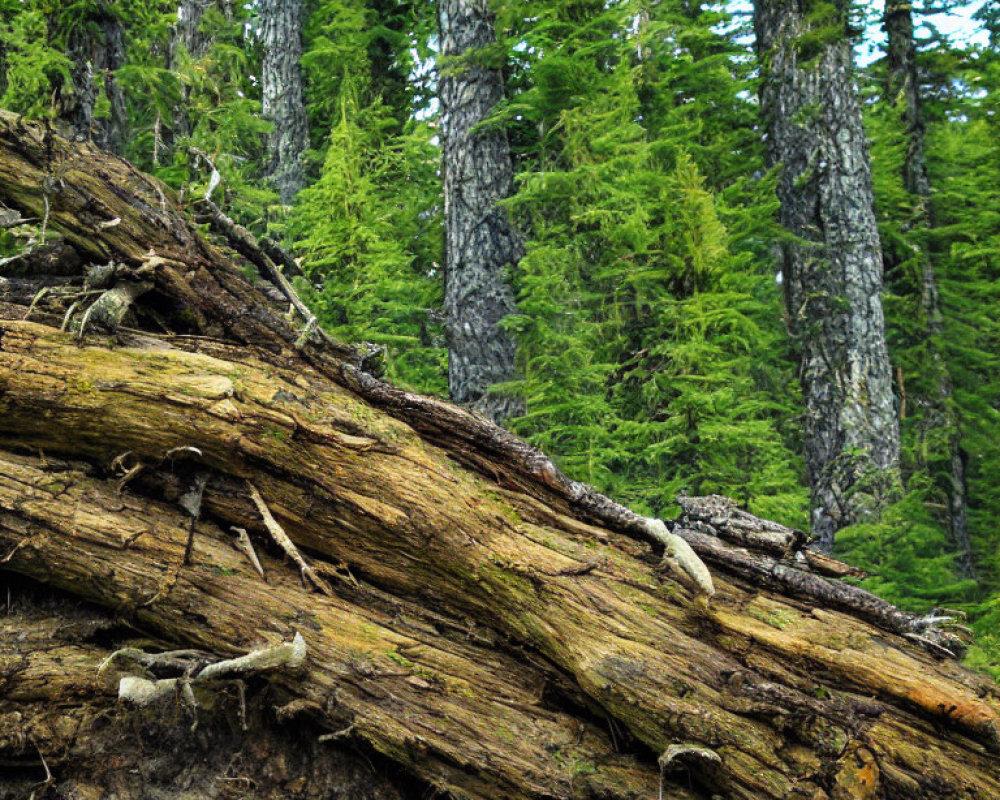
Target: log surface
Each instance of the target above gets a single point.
(492, 627)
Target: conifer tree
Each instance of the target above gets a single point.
(186, 42)
(34, 62)
(481, 244)
(831, 263)
(650, 334)
(369, 237)
(939, 420)
(94, 105)
(283, 102)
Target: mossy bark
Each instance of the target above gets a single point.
(492, 627)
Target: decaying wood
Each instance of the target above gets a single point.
(493, 627)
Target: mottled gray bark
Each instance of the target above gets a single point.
(481, 244)
(832, 269)
(903, 92)
(96, 46)
(186, 32)
(186, 40)
(283, 103)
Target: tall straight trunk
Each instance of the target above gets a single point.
(185, 38)
(903, 92)
(186, 32)
(283, 104)
(832, 268)
(96, 48)
(3, 69)
(481, 244)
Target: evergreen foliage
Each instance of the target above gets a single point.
(370, 236)
(645, 307)
(32, 63)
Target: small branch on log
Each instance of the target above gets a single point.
(246, 245)
(738, 526)
(245, 546)
(831, 567)
(678, 555)
(282, 540)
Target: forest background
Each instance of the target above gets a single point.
(654, 353)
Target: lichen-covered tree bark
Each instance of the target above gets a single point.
(471, 616)
(903, 93)
(283, 102)
(481, 244)
(96, 46)
(831, 264)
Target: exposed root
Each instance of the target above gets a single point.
(341, 734)
(681, 558)
(173, 452)
(245, 546)
(111, 307)
(282, 540)
(170, 659)
(190, 501)
(49, 779)
(143, 691)
(684, 751)
(128, 474)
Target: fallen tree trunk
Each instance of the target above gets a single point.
(470, 614)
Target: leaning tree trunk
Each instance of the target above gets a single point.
(281, 82)
(481, 244)
(96, 46)
(903, 92)
(465, 611)
(831, 264)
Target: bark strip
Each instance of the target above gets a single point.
(481, 244)
(831, 264)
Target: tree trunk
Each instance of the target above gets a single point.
(3, 69)
(186, 41)
(489, 626)
(832, 268)
(96, 46)
(481, 244)
(903, 92)
(281, 32)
